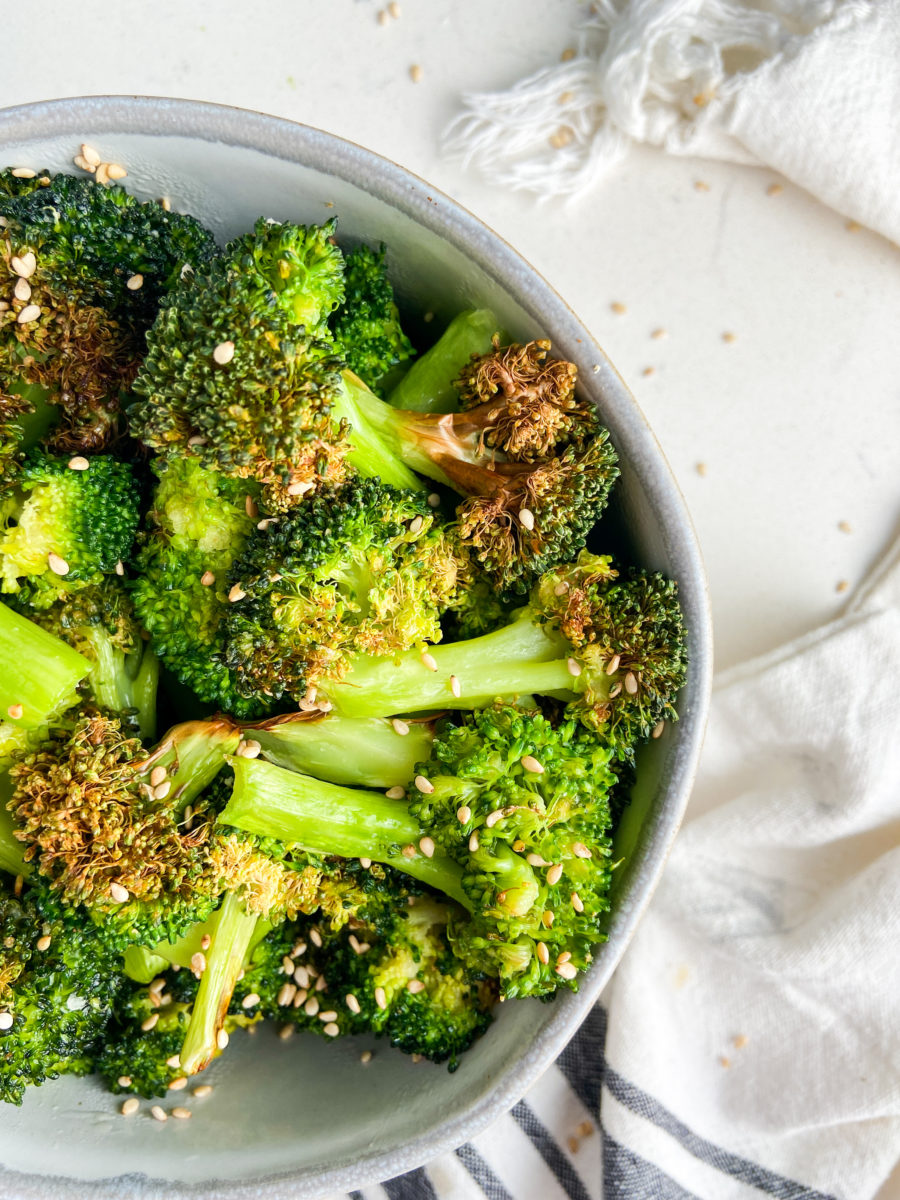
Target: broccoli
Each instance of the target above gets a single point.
(389, 970)
(99, 622)
(509, 817)
(363, 569)
(199, 523)
(40, 676)
(237, 375)
(366, 327)
(613, 647)
(429, 384)
(58, 982)
(69, 526)
(90, 262)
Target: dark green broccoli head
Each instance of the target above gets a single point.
(57, 986)
(627, 633)
(230, 378)
(361, 569)
(200, 520)
(522, 806)
(144, 1061)
(66, 528)
(366, 327)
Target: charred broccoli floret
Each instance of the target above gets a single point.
(612, 646)
(509, 818)
(67, 527)
(362, 569)
(366, 327)
(58, 981)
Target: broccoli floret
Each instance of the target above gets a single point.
(363, 569)
(509, 818)
(366, 327)
(613, 647)
(199, 523)
(100, 623)
(233, 375)
(68, 528)
(58, 982)
(90, 262)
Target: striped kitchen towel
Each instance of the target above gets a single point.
(749, 1043)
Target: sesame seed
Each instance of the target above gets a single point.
(57, 565)
(615, 690)
(198, 962)
(250, 749)
(416, 73)
(740, 1041)
(178, 1085)
(561, 588)
(473, 843)
(182, 1114)
(24, 265)
(15, 711)
(250, 1000)
(526, 518)
(124, 1081)
(464, 814)
(301, 976)
(547, 919)
(365, 863)
(585, 1129)
(330, 1015)
(130, 1106)
(574, 667)
(135, 283)
(531, 764)
(315, 937)
(455, 687)
(149, 1022)
(580, 850)
(543, 953)
(29, 313)
(223, 353)
(426, 845)
(22, 290)
(101, 172)
(300, 999)
(207, 579)
(287, 965)
(236, 593)
(573, 1144)
(80, 161)
(565, 98)
(120, 567)
(395, 793)
(567, 970)
(577, 902)
(165, 203)
(647, 371)
(567, 55)
(729, 337)
(159, 1114)
(658, 333)
(18, 884)
(23, 173)
(428, 660)
(400, 727)
(554, 874)
(424, 785)
(774, 189)
(380, 998)
(332, 1029)
(841, 585)
(845, 527)
(416, 524)
(174, 1061)
(434, 500)
(89, 154)
(658, 730)
(852, 226)
(299, 950)
(116, 171)
(197, 439)
(724, 1062)
(409, 851)
(613, 665)
(311, 1007)
(205, 1089)
(285, 1032)
(43, 943)
(222, 1039)
(618, 307)
(286, 994)
(631, 683)
(535, 860)
(394, 9)
(561, 137)
(205, 941)
(160, 792)
(157, 775)
(118, 893)
(382, 17)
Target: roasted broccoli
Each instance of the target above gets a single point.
(361, 569)
(366, 327)
(70, 523)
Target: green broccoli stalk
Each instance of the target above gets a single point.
(613, 648)
(361, 569)
(509, 818)
(429, 385)
(366, 326)
(58, 982)
(40, 674)
(68, 527)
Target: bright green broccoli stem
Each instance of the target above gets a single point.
(519, 660)
(142, 963)
(11, 849)
(324, 818)
(428, 385)
(358, 753)
(225, 958)
(193, 754)
(40, 672)
(120, 682)
(371, 455)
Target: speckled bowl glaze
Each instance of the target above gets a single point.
(304, 1118)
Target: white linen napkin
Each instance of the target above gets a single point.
(808, 87)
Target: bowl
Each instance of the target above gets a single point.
(304, 1118)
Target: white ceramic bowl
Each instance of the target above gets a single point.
(303, 1118)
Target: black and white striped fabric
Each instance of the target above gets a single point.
(748, 1045)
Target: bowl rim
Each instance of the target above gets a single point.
(308, 146)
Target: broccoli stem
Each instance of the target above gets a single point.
(358, 753)
(11, 849)
(370, 455)
(324, 818)
(428, 385)
(234, 929)
(40, 672)
(193, 755)
(119, 682)
(519, 660)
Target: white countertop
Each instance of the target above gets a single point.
(795, 423)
